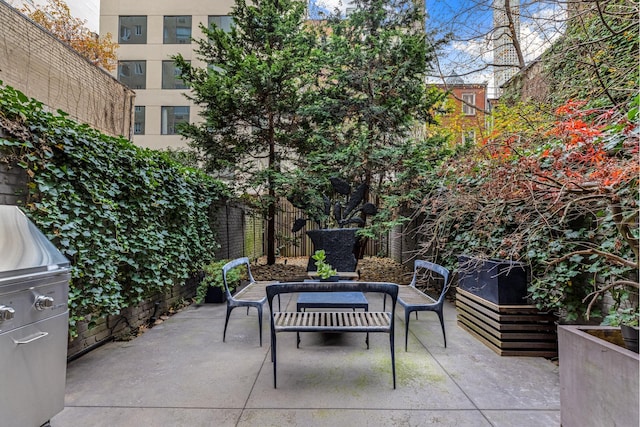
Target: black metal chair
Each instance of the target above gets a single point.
(414, 300)
(252, 295)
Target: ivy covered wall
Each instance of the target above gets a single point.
(132, 221)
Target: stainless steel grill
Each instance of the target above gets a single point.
(34, 289)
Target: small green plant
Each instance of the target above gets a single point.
(213, 277)
(624, 310)
(324, 270)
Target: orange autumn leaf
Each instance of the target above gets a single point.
(55, 17)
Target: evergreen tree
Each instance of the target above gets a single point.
(371, 102)
(250, 95)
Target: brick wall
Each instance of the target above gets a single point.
(36, 63)
(13, 181)
(130, 319)
(232, 223)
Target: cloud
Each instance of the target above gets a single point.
(328, 6)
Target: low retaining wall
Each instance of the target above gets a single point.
(125, 325)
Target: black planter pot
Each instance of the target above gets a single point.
(215, 295)
(630, 336)
(501, 282)
(340, 246)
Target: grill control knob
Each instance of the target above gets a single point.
(6, 313)
(43, 302)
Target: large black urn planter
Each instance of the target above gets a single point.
(339, 244)
(501, 282)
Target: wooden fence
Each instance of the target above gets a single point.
(298, 244)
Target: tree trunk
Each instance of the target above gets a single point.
(271, 210)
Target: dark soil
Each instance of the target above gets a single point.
(371, 269)
(614, 337)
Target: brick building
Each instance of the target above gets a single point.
(467, 109)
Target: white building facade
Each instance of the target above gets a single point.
(149, 33)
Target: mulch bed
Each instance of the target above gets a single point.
(372, 269)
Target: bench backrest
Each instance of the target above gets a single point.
(231, 265)
(390, 289)
(430, 266)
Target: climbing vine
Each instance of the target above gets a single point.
(131, 220)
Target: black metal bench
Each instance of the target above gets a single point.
(332, 321)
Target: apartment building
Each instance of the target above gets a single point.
(149, 33)
(468, 109)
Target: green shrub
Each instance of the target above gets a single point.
(213, 277)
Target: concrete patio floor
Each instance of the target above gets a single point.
(180, 373)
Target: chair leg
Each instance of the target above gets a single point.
(273, 356)
(226, 322)
(407, 317)
(393, 358)
(273, 346)
(259, 307)
(444, 335)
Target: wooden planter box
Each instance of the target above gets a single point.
(509, 330)
(598, 380)
(500, 282)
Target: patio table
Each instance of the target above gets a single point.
(351, 300)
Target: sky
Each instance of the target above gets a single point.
(469, 20)
(88, 10)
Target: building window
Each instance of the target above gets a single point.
(177, 29)
(468, 101)
(133, 30)
(468, 136)
(138, 120)
(172, 117)
(223, 22)
(171, 76)
(133, 74)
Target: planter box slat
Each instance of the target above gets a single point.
(509, 352)
(533, 314)
(506, 327)
(515, 331)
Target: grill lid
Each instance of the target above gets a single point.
(23, 248)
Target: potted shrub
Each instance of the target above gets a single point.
(324, 270)
(624, 314)
(335, 219)
(211, 288)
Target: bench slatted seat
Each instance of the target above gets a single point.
(332, 321)
(413, 299)
(344, 321)
(252, 295)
